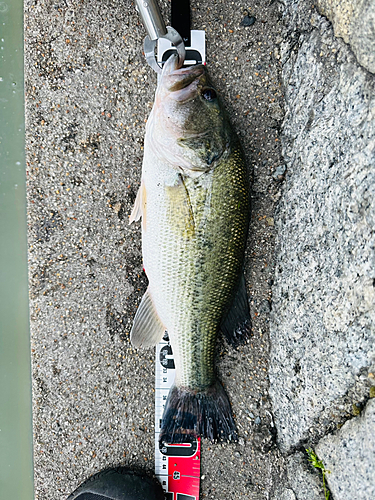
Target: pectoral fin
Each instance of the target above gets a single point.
(236, 325)
(139, 209)
(180, 213)
(147, 329)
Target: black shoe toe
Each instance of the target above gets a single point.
(119, 483)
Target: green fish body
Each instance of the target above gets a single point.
(194, 202)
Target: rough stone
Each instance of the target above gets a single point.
(305, 481)
(296, 14)
(354, 21)
(284, 494)
(279, 172)
(322, 322)
(350, 457)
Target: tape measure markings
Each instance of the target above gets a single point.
(177, 466)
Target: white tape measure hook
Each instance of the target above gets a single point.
(174, 38)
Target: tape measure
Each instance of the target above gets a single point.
(177, 466)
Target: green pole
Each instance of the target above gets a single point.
(16, 459)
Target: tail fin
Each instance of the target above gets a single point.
(189, 414)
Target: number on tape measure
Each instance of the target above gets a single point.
(177, 466)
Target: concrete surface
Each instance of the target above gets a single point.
(354, 21)
(88, 94)
(350, 457)
(305, 481)
(322, 322)
(323, 314)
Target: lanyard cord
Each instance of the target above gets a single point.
(180, 19)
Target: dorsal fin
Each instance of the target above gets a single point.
(236, 325)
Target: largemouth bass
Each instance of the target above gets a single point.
(194, 202)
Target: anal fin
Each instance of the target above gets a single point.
(147, 329)
(236, 325)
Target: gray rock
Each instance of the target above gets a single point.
(352, 20)
(355, 22)
(297, 15)
(284, 494)
(350, 457)
(279, 172)
(276, 111)
(322, 320)
(265, 307)
(305, 481)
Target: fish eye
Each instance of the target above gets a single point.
(209, 94)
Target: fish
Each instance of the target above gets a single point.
(194, 202)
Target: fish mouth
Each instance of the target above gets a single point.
(181, 83)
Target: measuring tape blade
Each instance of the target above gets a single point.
(177, 466)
